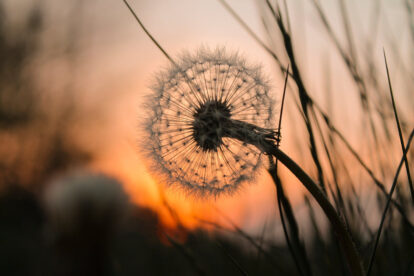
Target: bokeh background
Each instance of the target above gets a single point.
(73, 75)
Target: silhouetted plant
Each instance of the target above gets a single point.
(207, 114)
(199, 133)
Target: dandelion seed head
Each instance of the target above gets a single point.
(191, 115)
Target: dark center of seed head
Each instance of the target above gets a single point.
(209, 122)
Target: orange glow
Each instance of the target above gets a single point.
(253, 204)
(114, 70)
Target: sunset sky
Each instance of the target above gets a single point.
(115, 63)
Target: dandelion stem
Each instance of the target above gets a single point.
(344, 237)
(264, 141)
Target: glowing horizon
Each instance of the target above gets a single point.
(116, 62)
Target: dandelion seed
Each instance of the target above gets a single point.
(208, 114)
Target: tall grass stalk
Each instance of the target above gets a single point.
(397, 121)
(326, 118)
(295, 246)
(319, 124)
(387, 205)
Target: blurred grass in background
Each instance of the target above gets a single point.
(40, 110)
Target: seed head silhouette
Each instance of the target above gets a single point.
(208, 115)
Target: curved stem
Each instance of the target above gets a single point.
(265, 140)
(344, 237)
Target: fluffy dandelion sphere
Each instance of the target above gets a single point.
(205, 113)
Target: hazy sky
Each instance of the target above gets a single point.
(116, 62)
